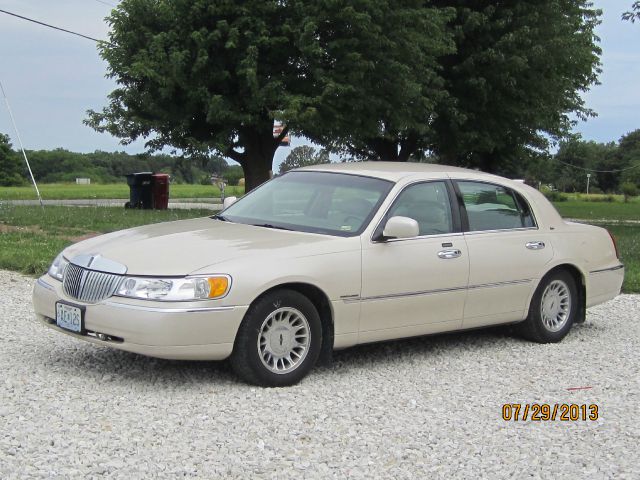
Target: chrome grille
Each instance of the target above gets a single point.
(88, 285)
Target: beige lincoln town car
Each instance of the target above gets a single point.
(332, 256)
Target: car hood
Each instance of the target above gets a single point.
(186, 246)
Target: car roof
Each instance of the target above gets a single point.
(396, 171)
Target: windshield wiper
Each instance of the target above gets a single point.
(222, 218)
(268, 225)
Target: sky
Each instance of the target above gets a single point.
(52, 78)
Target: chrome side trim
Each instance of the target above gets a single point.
(610, 269)
(44, 284)
(431, 292)
(421, 237)
(166, 310)
(500, 230)
(501, 284)
(348, 297)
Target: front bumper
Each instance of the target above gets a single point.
(173, 330)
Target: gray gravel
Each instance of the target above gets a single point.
(421, 408)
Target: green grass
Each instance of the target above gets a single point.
(29, 253)
(71, 191)
(581, 209)
(628, 240)
(31, 237)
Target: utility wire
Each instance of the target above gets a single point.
(106, 3)
(598, 171)
(52, 26)
(24, 154)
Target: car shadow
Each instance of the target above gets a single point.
(110, 365)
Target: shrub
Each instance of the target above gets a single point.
(555, 196)
(629, 190)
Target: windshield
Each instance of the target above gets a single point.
(317, 202)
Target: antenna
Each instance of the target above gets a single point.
(24, 154)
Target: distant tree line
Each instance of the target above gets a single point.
(611, 165)
(60, 166)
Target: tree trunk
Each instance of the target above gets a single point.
(257, 158)
(257, 170)
(408, 146)
(385, 150)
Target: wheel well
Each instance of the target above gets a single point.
(323, 306)
(580, 284)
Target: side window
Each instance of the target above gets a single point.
(492, 207)
(428, 204)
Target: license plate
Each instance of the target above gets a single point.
(69, 317)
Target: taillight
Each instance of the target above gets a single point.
(615, 244)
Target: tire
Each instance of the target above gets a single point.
(278, 341)
(553, 309)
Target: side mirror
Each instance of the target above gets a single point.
(400, 227)
(227, 202)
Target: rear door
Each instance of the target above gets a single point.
(507, 252)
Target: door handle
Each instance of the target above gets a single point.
(535, 245)
(446, 254)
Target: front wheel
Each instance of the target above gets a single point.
(553, 309)
(278, 341)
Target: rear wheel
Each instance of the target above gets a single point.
(278, 341)
(553, 309)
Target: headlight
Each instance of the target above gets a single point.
(56, 270)
(175, 289)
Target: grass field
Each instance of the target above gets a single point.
(30, 237)
(599, 210)
(71, 191)
(628, 239)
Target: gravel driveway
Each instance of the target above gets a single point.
(422, 408)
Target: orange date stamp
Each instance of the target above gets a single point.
(546, 412)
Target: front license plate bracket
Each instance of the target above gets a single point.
(70, 317)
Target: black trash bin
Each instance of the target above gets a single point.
(140, 190)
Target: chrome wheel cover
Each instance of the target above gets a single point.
(555, 307)
(283, 340)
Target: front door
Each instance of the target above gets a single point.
(417, 285)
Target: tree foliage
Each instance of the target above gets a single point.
(304, 156)
(633, 14)
(629, 155)
(610, 165)
(204, 76)
(478, 84)
(515, 79)
(375, 66)
(10, 164)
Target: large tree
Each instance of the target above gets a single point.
(375, 68)
(10, 165)
(515, 80)
(205, 76)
